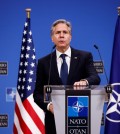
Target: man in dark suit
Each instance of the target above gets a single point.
(80, 69)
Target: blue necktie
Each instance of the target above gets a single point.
(64, 70)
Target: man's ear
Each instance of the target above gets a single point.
(52, 38)
(70, 38)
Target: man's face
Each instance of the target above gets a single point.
(61, 36)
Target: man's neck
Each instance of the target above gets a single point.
(62, 50)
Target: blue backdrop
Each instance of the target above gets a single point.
(93, 22)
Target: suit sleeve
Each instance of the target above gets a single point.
(39, 87)
(92, 76)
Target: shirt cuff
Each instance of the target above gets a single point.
(48, 105)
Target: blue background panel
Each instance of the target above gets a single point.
(93, 22)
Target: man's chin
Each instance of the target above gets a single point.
(63, 46)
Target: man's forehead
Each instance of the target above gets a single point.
(61, 26)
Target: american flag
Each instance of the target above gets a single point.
(28, 117)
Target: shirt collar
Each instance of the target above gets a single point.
(67, 52)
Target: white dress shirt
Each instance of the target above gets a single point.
(59, 63)
(60, 60)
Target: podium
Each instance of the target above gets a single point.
(78, 111)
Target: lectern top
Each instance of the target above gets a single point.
(71, 87)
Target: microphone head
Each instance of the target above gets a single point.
(96, 46)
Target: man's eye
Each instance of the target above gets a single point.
(65, 32)
(58, 32)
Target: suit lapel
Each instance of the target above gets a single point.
(75, 59)
(73, 64)
(54, 69)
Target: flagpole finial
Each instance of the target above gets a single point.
(118, 8)
(28, 10)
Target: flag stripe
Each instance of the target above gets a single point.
(27, 118)
(33, 115)
(38, 110)
(23, 125)
(17, 128)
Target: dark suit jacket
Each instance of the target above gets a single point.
(81, 67)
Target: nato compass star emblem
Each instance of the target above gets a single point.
(77, 106)
(113, 108)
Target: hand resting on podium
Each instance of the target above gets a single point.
(80, 85)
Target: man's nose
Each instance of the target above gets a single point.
(61, 34)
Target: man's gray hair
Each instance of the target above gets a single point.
(61, 21)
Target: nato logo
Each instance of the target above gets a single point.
(10, 94)
(113, 109)
(78, 106)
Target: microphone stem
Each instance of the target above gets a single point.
(50, 65)
(103, 67)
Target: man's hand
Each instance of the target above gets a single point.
(80, 84)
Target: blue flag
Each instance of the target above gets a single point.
(113, 109)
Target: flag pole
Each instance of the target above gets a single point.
(118, 8)
(28, 10)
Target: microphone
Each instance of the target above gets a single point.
(108, 87)
(48, 88)
(101, 60)
(50, 64)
